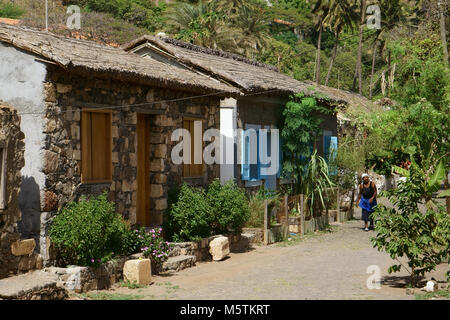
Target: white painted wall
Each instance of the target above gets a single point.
(228, 126)
(22, 85)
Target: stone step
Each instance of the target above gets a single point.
(177, 263)
(37, 285)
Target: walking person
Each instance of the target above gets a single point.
(367, 199)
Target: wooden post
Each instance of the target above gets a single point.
(302, 216)
(266, 223)
(286, 214)
(338, 206)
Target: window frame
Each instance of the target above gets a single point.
(85, 157)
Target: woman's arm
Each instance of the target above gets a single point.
(374, 192)
(359, 195)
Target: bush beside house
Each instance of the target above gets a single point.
(195, 213)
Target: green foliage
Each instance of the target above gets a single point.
(397, 134)
(194, 214)
(189, 217)
(350, 161)
(10, 10)
(316, 183)
(141, 13)
(88, 232)
(300, 128)
(404, 231)
(420, 73)
(229, 207)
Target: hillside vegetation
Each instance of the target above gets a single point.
(318, 40)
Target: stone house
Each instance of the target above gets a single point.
(264, 91)
(97, 118)
(16, 255)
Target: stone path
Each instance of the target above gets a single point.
(325, 266)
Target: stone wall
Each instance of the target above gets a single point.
(65, 96)
(16, 255)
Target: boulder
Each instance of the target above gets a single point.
(219, 248)
(138, 270)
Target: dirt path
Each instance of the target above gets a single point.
(325, 266)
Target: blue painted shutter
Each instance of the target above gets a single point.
(245, 166)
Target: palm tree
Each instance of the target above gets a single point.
(340, 16)
(200, 24)
(321, 9)
(250, 25)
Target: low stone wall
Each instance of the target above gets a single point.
(16, 255)
(200, 249)
(82, 279)
(257, 232)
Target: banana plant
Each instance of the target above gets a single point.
(317, 181)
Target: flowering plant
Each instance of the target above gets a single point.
(152, 244)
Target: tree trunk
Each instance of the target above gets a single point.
(333, 56)
(375, 47)
(443, 33)
(318, 54)
(358, 73)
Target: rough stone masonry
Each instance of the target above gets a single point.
(16, 255)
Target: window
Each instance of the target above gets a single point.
(252, 167)
(2, 176)
(193, 169)
(96, 146)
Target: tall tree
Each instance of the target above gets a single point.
(320, 9)
(340, 16)
(443, 31)
(358, 69)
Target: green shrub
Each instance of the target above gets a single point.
(10, 10)
(194, 214)
(229, 207)
(189, 216)
(88, 232)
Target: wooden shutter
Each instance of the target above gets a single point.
(192, 169)
(96, 146)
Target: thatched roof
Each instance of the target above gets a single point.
(248, 75)
(88, 56)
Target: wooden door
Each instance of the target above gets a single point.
(143, 170)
